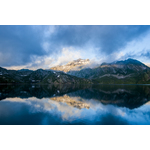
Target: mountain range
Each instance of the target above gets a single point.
(82, 71)
(129, 71)
(39, 76)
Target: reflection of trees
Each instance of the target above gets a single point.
(36, 90)
(130, 96)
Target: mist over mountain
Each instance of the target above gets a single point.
(73, 65)
(128, 71)
(74, 74)
(47, 46)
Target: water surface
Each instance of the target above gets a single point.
(72, 105)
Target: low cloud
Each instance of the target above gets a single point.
(66, 55)
(46, 46)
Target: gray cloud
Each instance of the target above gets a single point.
(106, 38)
(19, 43)
(144, 55)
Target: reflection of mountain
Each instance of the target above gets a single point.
(124, 96)
(130, 96)
(39, 91)
(71, 102)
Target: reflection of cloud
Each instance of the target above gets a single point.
(47, 105)
(71, 102)
(47, 111)
(37, 103)
(69, 112)
(66, 111)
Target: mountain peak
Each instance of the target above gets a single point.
(75, 64)
(129, 61)
(79, 61)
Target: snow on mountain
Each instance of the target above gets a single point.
(73, 65)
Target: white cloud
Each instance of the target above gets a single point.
(137, 47)
(134, 48)
(46, 62)
(46, 46)
(147, 64)
(43, 62)
(66, 55)
(49, 30)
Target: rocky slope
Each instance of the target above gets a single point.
(129, 71)
(39, 76)
(73, 65)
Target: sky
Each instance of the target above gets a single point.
(35, 46)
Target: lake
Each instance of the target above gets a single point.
(71, 105)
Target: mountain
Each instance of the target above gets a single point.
(129, 71)
(73, 65)
(25, 70)
(9, 76)
(39, 76)
(79, 72)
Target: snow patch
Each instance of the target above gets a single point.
(116, 76)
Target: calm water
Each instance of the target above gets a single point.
(86, 105)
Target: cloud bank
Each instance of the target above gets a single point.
(45, 46)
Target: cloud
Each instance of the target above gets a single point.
(46, 62)
(66, 55)
(106, 38)
(46, 111)
(18, 43)
(136, 49)
(42, 46)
